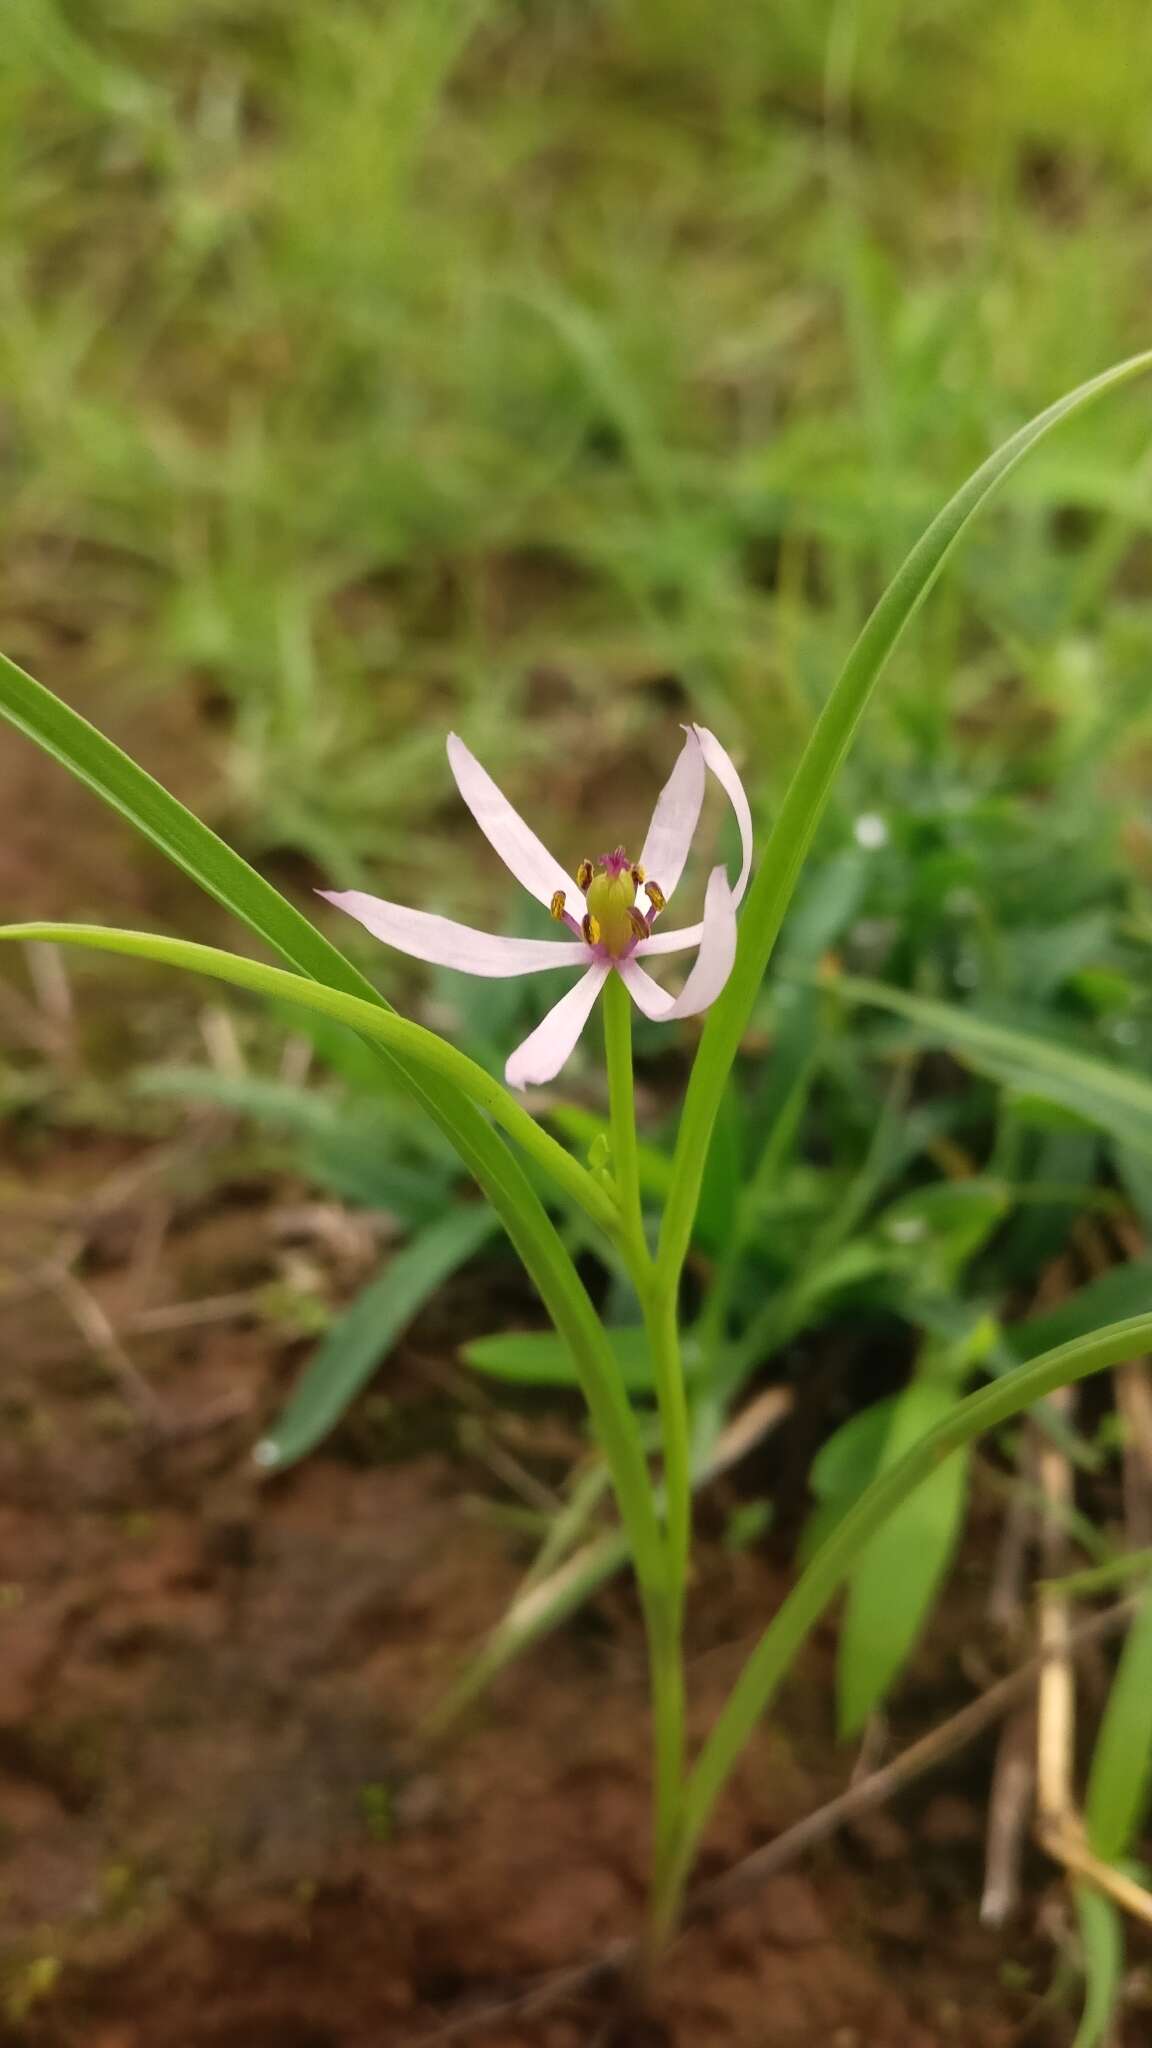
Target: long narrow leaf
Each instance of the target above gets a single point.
(770, 1660)
(360, 1339)
(192, 845)
(213, 865)
(221, 872)
(536, 1358)
(419, 1048)
(1102, 1937)
(811, 786)
(1120, 1779)
(1121, 1291)
(1113, 1097)
(898, 1573)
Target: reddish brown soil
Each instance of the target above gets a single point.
(216, 1830)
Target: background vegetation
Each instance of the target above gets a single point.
(554, 371)
(546, 368)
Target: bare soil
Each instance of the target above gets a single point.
(217, 1824)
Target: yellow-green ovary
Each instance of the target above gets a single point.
(610, 898)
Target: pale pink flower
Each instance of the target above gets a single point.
(611, 932)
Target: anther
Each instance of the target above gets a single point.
(584, 875)
(656, 897)
(591, 930)
(557, 906)
(637, 874)
(638, 922)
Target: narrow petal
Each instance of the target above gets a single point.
(675, 817)
(546, 1049)
(710, 970)
(678, 940)
(448, 944)
(645, 993)
(723, 768)
(516, 843)
(713, 963)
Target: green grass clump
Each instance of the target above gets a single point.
(374, 369)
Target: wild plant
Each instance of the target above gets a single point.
(611, 913)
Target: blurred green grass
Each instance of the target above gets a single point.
(547, 368)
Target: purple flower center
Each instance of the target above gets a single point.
(615, 863)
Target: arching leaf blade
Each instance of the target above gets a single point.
(358, 1342)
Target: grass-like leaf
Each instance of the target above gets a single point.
(171, 826)
(1121, 1291)
(419, 1048)
(360, 1339)
(781, 860)
(831, 1567)
(899, 1572)
(221, 872)
(535, 1358)
(1102, 1938)
(1120, 1779)
(1112, 1097)
(503, 1180)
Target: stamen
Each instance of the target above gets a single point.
(591, 930)
(656, 897)
(584, 875)
(637, 874)
(639, 923)
(557, 907)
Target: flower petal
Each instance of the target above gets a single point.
(516, 843)
(675, 817)
(546, 1049)
(713, 963)
(645, 993)
(678, 940)
(723, 768)
(710, 970)
(448, 944)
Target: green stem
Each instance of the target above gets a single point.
(664, 1640)
(659, 1302)
(666, 1645)
(617, 1008)
(660, 1321)
(666, 1680)
(771, 1659)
